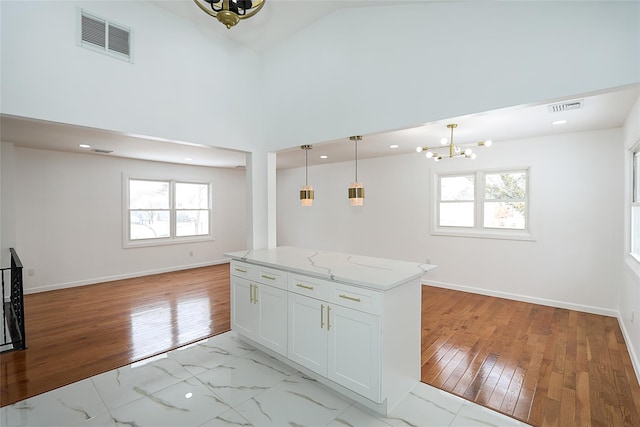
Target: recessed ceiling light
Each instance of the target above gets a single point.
(559, 122)
(188, 159)
(394, 146)
(324, 157)
(84, 146)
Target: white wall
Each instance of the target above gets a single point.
(186, 83)
(69, 218)
(7, 203)
(574, 189)
(366, 70)
(629, 296)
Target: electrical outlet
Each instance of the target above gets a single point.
(31, 272)
(190, 253)
(427, 260)
(633, 315)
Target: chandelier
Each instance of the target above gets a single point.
(356, 189)
(230, 12)
(439, 153)
(306, 192)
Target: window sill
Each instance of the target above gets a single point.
(521, 235)
(166, 242)
(636, 257)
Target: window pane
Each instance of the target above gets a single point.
(456, 188)
(636, 177)
(192, 196)
(148, 194)
(504, 215)
(192, 223)
(501, 186)
(456, 214)
(149, 224)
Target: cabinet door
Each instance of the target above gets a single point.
(272, 321)
(307, 333)
(354, 351)
(244, 315)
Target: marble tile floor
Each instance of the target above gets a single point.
(222, 381)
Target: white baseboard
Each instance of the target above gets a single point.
(635, 361)
(95, 280)
(524, 298)
(551, 303)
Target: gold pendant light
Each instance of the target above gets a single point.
(356, 189)
(306, 193)
(230, 12)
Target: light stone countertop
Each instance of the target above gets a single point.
(375, 273)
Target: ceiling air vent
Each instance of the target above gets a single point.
(101, 35)
(101, 151)
(565, 106)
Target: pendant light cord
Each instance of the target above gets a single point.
(356, 142)
(306, 168)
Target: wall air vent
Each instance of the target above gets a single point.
(101, 35)
(101, 151)
(565, 106)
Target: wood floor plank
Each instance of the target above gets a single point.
(545, 366)
(79, 332)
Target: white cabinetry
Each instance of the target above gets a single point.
(333, 340)
(350, 322)
(259, 309)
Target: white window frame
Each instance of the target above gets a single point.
(634, 247)
(479, 230)
(172, 239)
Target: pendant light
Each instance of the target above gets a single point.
(356, 189)
(230, 12)
(453, 150)
(306, 193)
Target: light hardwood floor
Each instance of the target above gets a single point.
(545, 366)
(80, 332)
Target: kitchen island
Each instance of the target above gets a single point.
(350, 322)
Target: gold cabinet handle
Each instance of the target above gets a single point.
(264, 276)
(349, 298)
(300, 285)
(321, 316)
(241, 270)
(328, 318)
(251, 293)
(255, 294)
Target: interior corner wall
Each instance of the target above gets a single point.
(574, 191)
(7, 204)
(173, 88)
(629, 297)
(69, 218)
(366, 70)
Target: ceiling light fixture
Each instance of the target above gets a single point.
(356, 189)
(454, 150)
(84, 146)
(230, 12)
(559, 122)
(306, 193)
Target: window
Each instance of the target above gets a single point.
(166, 211)
(635, 207)
(482, 204)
